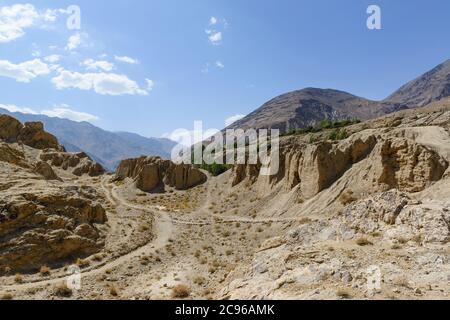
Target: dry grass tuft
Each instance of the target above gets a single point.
(6, 296)
(347, 198)
(181, 291)
(343, 293)
(363, 241)
(62, 290)
(18, 278)
(45, 271)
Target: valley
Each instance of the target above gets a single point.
(336, 209)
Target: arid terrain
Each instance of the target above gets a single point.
(377, 198)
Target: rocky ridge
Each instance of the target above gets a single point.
(149, 173)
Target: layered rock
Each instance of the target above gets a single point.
(399, 218)
(152, 172)
(46, 170)
(31, 134)
(387, 161)
(12, 156)
(78, 163)
(48, 227)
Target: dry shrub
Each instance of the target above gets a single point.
(113, 291)
(82, 263)
(6, 296)
(347, 198)
(62, 290)
(45, 271)
(181, 291)
(18, 278)
(363, 241)
(343, 293)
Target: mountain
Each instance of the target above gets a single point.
(107, 148)
(302, 108)
(431, 86)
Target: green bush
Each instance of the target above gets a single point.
(324, 125)
(216, 169)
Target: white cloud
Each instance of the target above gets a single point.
(73, 42)
(229, 121)
(215, 32)
(64, 112)
(102, 83)
(213, 21)
(14, 108)
(25, 71)
(91, 64)
(220, 65)
(215, 38)
(126, 59)
(14, 19)
(52, 58)
(189, 137)
(150, 84)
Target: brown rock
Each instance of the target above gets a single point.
(9, 128)
(78, 163)
(150, 172)
(45, 170)
(33, 135)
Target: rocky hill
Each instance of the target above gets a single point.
(432, 86)
(45, 219)
(107, 148)
(303, 108)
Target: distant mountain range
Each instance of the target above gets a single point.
(107, 148)
(297, 109)
(302, 108)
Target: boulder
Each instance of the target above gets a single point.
(33, 135)
(9, 128)
(45, 170)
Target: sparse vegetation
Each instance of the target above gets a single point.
(343, 293)
(18, 278)
(216, 169)
(82, 263)
(62, 290)
(113, 291)
(6, 296)
(363, 241)
(323, 125)
(347, 198)
(45, 271)
(181, 291)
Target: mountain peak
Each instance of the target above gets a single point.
(431, 86)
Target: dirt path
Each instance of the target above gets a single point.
(163, 229)
(199, 222)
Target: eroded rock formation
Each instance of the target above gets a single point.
(78, 163)
(48, 227)
(152, 172)
(31, 134)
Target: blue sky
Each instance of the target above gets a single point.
(152, 66)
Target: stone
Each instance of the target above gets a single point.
(45, 170)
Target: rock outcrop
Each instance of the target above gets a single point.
(77, 163)
(48, 227)
(152, 172)
(45, 170)
(31, 134)
(394, 160)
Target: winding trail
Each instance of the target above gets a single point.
(162, 229)
(164, 223)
